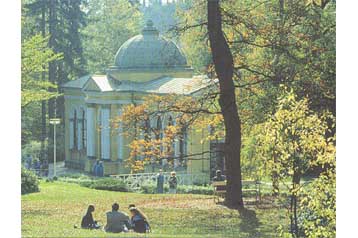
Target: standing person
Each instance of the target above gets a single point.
(160, 182)
(28, 161)
(117, 221)
(87, 220)
(173, 183)
(36, 167)
(100, 168)
(95, 168)
(139, 220)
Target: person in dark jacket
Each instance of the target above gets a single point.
(173, 183)
(87, 220)
(139, 221)
(160, 182)
(95, 168)
(100, 171)
(219, 176)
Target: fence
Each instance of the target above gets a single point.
(134, 181)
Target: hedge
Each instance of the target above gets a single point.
(29, 181)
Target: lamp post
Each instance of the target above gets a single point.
(54, 122)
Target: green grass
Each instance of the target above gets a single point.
(54, 210)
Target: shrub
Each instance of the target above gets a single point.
(105, 184)
(194, 189)
(317, 215)
(32, 148)
(151, 188)
(75, 178)
(29, 182)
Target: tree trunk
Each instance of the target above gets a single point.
(294, 196)
(223, 62)
(274, 176)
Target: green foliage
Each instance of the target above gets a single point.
(29, 182)
(32, 148)
(106, 184)
(75, 178)
(151, 188)
(193, 34)
(110, 24)
(163, 16)
(294, 138)
(318, 207)
(293, 141)
(35, 56)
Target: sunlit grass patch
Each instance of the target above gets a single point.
(59, 206)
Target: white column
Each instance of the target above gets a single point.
(120, 138)
(79, 131)
(71, 134)
(105, 133)
(91, 130)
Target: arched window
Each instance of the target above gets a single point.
(159, 131)
(172, 147)
(170, 121)
(147, 129)
(183, 143)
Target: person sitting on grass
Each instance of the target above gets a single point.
(87, 221)
(117, 221)
(139, 221)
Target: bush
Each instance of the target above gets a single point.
(75, 178)
(194, 189)
(151, 188)
(105, 184)
(29, 182)
(317, 214)
(32, 148)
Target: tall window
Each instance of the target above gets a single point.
(172, 147)
(147, 129)
(159, 134)
(84, 130)
(182, 143)
(75, 139)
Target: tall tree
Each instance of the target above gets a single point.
(65, 19)
(224, 66)
(110, 24)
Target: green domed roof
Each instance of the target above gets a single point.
(149, 50)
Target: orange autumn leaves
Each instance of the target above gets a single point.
(159, 123)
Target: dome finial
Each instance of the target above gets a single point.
(150, 23)
(150, 29)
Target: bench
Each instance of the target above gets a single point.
(220, 189)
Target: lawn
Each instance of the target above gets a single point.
(55, 210)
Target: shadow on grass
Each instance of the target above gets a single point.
(35, 213)
(249, 222)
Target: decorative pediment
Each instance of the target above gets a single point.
(91, 85)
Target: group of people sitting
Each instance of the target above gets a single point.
(118, 221)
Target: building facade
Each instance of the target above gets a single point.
(145, 64)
